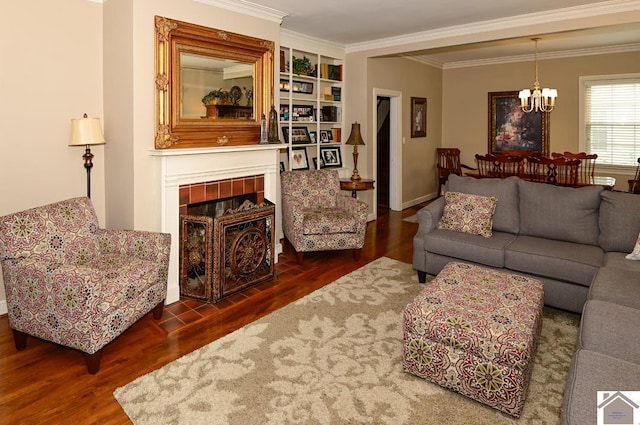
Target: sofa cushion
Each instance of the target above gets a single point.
(560, 213)
(324, 221)
(464, 212)
(619, 260)
(506, 217)
(592, 372)
(62, 231)
(464, 246)
(611, 329)
(619, 221)
(566, 261)
(616, 285)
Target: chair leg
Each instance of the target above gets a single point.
(19, 339)
(356, 254)
(422, 276)
(300, 257)
(93, 361)
(157, 310)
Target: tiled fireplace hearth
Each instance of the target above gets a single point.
(196, 175)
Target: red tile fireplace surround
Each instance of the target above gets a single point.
(220, 189)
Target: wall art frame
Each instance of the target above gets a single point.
(418, 117)
(510, 128)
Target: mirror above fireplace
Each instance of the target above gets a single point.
(212, 86)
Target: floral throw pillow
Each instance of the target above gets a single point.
(468, 213)
(635, 255)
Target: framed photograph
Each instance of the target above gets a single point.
(315, 163)
(330, 157)
(302, 87)
(299, 159)
(281, 166)
(299, 135)
(512, 129)
(326, 136)
(302, 113)
(418, 117)
(284, 112)
(313, 135)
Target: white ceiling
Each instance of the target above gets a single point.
(357, 23)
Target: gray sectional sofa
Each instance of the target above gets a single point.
(575, 241)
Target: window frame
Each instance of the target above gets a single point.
(584, 81)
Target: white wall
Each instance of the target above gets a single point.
(50, 72)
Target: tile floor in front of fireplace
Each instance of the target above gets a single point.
(185, 312)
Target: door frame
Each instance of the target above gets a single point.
(395, 147)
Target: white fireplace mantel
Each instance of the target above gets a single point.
(176, 167)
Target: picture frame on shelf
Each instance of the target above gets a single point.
(299, 159)
(326, 136)
(282, 166)
(301, 87)
(298, 136)
(331, 157)
(302, 113)
(512, 129)
(418, 117)
(313, 135)
(284, 112)
(315, 163)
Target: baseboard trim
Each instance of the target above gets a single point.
(421, 199)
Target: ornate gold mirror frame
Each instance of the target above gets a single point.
(175, 130)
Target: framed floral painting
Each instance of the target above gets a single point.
(512, 129)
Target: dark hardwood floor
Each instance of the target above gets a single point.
(49, 384)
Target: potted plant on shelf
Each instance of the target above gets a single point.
(302, 66)
(213, 98)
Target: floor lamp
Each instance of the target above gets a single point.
(86, 132)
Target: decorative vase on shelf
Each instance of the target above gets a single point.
(212, 110)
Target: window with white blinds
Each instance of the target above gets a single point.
(612, 119)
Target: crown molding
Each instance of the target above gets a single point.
(623, 48)
(248, 8)
(287, 37)
(538, 18)
(427, 60)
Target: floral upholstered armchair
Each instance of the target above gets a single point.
(69, 282)
(316, 217)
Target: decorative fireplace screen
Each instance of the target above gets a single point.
(225, 254)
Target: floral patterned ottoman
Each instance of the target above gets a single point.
(475, 330)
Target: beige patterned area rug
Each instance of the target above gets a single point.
(334, 357)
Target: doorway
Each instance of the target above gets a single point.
(387, 153)
(383, 148)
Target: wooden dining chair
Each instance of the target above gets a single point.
(448, 163)
(634, 184)
(587, 167)
(559, 171)
(499, 166)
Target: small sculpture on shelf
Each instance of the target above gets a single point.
(272, 132)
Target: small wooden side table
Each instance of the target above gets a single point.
(355, 185)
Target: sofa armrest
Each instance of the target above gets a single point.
(430, 215)
(40, 284)
(152, 246)
(292, 213)
(353, 205)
